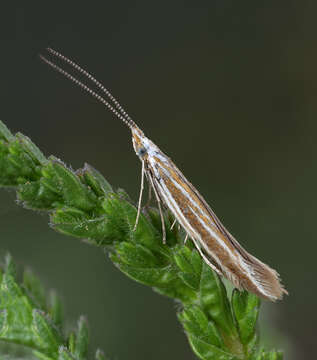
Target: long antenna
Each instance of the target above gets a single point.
(93, 79)
(117, 109)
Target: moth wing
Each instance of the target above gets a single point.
(267, 277)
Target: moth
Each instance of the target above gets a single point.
(218, 248)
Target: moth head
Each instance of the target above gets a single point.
(140, 143)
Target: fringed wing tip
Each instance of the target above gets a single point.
(267, 279)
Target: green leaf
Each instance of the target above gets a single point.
(10, 268)
(22, 323)
(16, 312)
(47, 335)
(35, 288)
(32, 150)
(177, 290)
(16, 165)
(197, 324)
(122, 216)
(81, 343)
(35, 195)
(95, 180)
(75, 194)
(154, 276)
(203, 335)
(55, 309)
(213, 298)
(72, 342)
(137, 255)
(246, 308)
(190, 264)
(206, 351)
(22, 163)
(74, 222)
(50, 180)
(5, 132)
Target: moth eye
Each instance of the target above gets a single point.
(142, 151)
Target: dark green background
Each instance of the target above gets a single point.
(228, 90)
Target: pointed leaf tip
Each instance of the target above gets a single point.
(246, 307)
(81, 342)
(5, 132)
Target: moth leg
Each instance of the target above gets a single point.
(186, 237)
(160, 210)
(174, 222)
(163, 223)
(207, 261)
(140, 198)
(149, 197)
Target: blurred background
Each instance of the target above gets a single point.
(228, 90)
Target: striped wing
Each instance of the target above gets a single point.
(218, 247)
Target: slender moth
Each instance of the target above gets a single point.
(219, 249)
